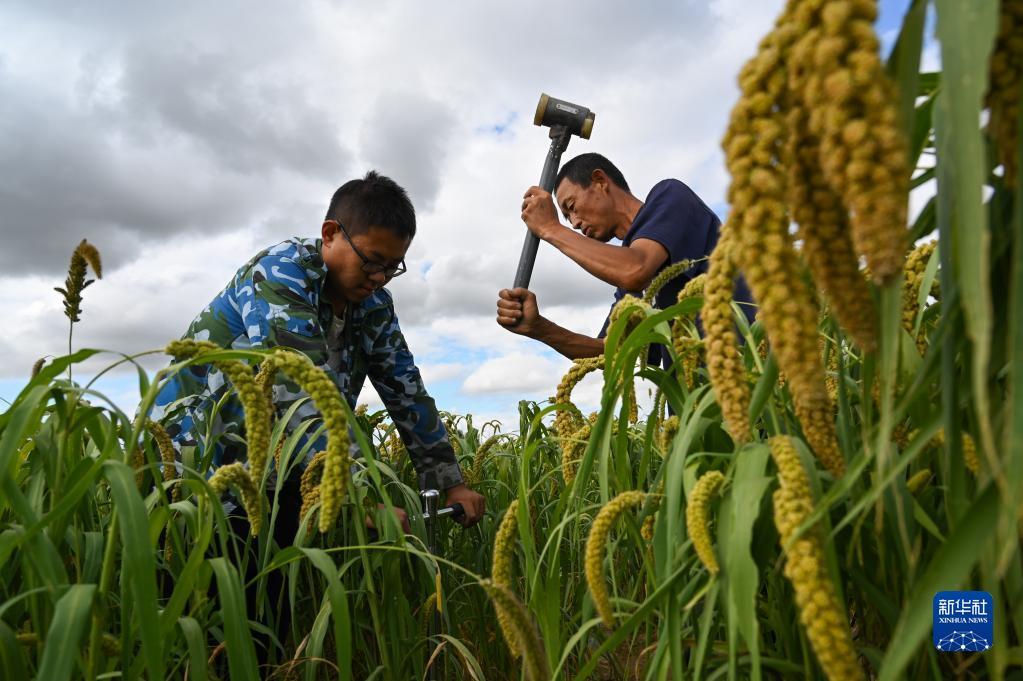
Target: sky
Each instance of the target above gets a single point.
(182, 138)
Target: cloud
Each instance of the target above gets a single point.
(139, 307)
(443, 371)
(406, 136)
(250, 121)
(467, 283)
(129, 139)
(516, 373)
(181, 139)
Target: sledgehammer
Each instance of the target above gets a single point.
(564, 119)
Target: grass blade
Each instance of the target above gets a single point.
(138, 563)
(12, 662)
(70, 617)
(338, 610)
(948, 568)
(904, 62)
(241, 654)
(967, 31)
(749, 484)
(195, 639)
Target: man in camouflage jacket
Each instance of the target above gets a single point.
(325, 298)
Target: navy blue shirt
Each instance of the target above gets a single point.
(676, 218)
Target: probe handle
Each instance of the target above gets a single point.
(454, 510)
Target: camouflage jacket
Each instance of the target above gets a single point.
(276, 299)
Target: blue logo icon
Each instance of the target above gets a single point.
(963, 621)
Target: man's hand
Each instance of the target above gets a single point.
(517, 311)
(399, 513)
(474, 504)
(539, 213)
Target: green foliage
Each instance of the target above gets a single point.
(104, 574)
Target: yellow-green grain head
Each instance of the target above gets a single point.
(697, 518)
(820, 612)
(596, 550)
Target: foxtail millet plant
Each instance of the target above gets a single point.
(596, 550)
(476, 470)
(664, 276)
(688, 347)
(820, 612)
(568, 420)
(265, 379)
(635, 310)
(527, 639)
(1006, 84)
(647, 530)
(918, 480)
(501, 570)
(253, 397)
(863, 153)
(572, 449)
(667, 433)
(724, 361)
(168, 456)
(914, 271)
(970, 458)
(327, 399)
(817, 208)
(755, 154)
(234, 475)
(84, 254)
(697, 518)
(309, 486)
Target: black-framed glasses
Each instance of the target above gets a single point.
(372, 266)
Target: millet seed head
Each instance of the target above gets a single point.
(501, 569)
(527, 640)
(821, 614)
(596, 550)
(697, 518)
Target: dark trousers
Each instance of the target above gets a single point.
(283, 532)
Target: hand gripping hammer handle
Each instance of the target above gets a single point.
(559, 142)
(564, 119)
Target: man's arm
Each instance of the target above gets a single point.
(393, 372)
(629, 267)
(518, 312)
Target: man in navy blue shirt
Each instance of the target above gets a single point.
(673, 224)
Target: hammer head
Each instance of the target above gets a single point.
(552, 112)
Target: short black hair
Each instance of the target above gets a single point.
(374, 201)
(580, 171)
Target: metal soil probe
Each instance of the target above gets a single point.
(431, 512)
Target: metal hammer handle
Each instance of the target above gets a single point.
(560, 136)
(564, 119)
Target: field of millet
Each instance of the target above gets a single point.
(801, 490)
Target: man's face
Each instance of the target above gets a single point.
(587, 210)
(348, 258)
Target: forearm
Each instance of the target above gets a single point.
(421, 429)
(618, 266)
(394, 375)
(568, 343)
(434, 459)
